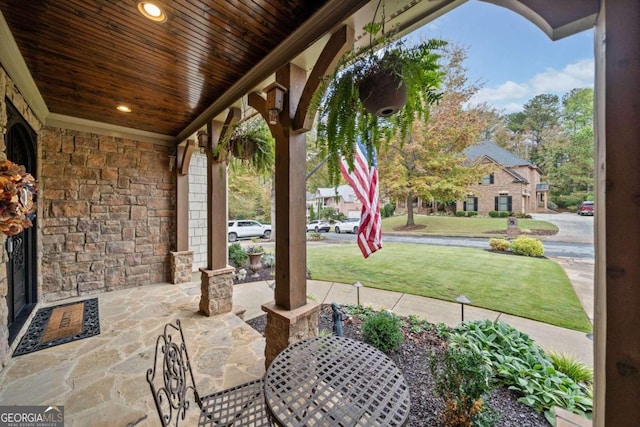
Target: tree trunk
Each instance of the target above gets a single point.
(410, 209)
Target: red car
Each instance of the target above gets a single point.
(586, 208)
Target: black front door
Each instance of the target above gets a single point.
(21, 268)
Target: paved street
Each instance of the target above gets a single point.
(574, 240)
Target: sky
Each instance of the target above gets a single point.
(511, 57)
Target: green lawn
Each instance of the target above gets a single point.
(469, 227)
(534, 288)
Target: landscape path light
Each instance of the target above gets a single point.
(358, 285)
(462, 300)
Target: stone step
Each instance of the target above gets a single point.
(565, 418)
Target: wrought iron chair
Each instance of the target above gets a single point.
(242, 405)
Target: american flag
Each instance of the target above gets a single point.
(364, 181)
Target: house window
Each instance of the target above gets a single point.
(471, 204)
(487, 179)
(503, 203)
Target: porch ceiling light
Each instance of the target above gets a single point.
(275, 101)
(151, 11)
(123, 108)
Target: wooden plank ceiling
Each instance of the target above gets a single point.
(89, 56)
(86, 57)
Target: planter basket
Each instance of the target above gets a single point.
(243, 148)
(383, 93)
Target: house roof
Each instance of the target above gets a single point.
(517, 176)
(344, 191)
(498, 154)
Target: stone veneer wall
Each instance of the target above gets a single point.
(198, 210)
(9, 90)
(108, 218)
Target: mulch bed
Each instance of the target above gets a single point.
(413, 358)
(264, 274)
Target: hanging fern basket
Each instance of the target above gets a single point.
(383, 93)
(243, 148)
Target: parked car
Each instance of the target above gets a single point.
(318, 226)
(349, 225)
(247, 228)
(586, 208)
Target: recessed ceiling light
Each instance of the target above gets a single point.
(151, 11)
(123, 108)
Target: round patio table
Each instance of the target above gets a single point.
(335, 381)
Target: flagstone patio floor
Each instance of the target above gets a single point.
(101, 381)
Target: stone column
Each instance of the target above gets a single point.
(286, 327)
(216, 291)
(181, 267)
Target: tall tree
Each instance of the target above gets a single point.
(567, 156)
(429, 162)
(577, 114)
(511, 134)
(542, 114)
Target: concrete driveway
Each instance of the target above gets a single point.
(573, 227)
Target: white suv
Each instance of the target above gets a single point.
(247, 228)
(349, 225)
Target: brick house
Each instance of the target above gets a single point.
(342, 198)
(513, 186)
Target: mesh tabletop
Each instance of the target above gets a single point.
(335, 381)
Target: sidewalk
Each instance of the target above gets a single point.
(251, 296)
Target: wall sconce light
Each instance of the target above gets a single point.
(275, 101)
(203, 140)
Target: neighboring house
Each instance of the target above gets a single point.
(310, 202)
(513, 186)
(342, 198)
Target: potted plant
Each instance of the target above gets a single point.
(375, 92)
(255, 253)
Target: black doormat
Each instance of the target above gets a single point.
(60, 324)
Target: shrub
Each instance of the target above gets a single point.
(461, 213)
(462, 379)
(494, 214)
(527, 246)
(472, 213)
(237, 254)
(572, 367)
(573, 200)
(523, 215)
(388, 210)
(315, 236)
(499, 244)
(269, 260)
(382, 330)
(503, 214)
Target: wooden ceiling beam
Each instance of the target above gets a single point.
(340, 41)
(328, 17)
